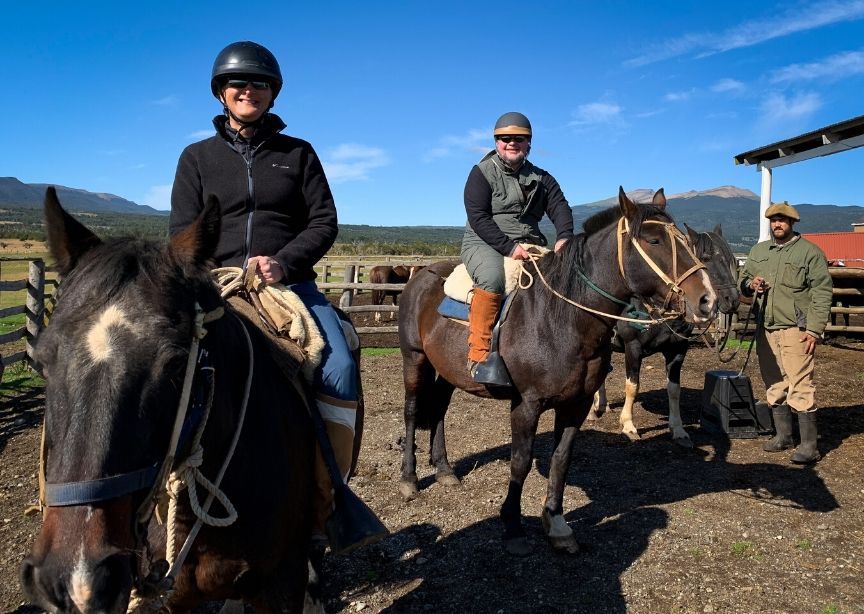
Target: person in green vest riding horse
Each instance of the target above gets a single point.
(505, 199)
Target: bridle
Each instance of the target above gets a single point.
(189, 417)
(675, 292)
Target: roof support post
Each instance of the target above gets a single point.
(764, 225)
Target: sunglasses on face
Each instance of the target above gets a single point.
(242, 84)
(507, 139)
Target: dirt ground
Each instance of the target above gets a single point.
(724, 527)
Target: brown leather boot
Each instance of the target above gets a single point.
(482, 314)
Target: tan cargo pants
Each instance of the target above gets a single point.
(786, 369)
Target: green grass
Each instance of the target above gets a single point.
(18, 378)
(831, 609)
(743, 549)
(379, 351)
(804, 544)
(731, 344)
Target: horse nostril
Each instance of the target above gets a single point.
(707, 304)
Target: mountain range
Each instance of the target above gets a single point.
(735, 209)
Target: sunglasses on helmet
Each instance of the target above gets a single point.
(507, 139)
(242, 84)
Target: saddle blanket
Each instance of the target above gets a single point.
(459, 284)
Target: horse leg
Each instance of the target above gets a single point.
(674, 360)
(444, 473)
(632, 367)
(600, 405)
(418, 375)
(523, 426)
(556, 528)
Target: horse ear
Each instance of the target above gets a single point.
(718, 230)
(628, 209)
(197, 242)
(68, 239)
(659, 199)
(692, 234)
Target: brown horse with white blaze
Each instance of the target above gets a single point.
(555, 341)
(117, 354)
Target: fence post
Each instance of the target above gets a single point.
(35, 304)
(347, 296)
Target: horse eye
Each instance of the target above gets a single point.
(654, 241)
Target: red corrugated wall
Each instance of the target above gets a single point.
(840, 246)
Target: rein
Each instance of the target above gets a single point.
(642, 317)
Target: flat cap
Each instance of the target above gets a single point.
(784, 209)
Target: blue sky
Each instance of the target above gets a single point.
(399, 98)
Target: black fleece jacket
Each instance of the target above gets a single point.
(274, 197)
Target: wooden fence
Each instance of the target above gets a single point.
(352, 273)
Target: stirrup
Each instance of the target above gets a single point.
(491, 371)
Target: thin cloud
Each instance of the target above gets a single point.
(201, 134)
(679, 96)
(831, 68)
(474, 141)
(158, 197)
(777, 108)
(167, 101)
(727, 85)
(353, 162)
(596, 113)
(749, 33)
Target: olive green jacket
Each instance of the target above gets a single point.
(800, 290)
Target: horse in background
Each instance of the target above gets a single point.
(389, 275)
(672, 339)
(555, 342)
(116, 354)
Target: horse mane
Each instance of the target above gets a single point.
(561, 269)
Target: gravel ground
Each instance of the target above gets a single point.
(724, 527)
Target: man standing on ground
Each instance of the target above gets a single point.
(791, 273)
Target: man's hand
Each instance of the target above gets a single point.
(809, 342)
(560, 243)
(271, 271)
(759, 285)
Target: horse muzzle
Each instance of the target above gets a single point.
(102, 586)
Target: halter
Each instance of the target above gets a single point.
(641, 316)
(675, 292)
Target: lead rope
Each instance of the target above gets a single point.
(188, 473)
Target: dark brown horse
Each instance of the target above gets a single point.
(115, 356)
(557, 354)
(672, 339)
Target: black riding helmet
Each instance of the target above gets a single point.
(512, 123)
(248, 59)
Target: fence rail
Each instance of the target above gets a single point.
(353, 269)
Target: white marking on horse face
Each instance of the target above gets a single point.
(99, 335)
(81, 582)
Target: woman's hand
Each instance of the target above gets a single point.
(270, 270)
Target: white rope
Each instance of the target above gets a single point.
(534, 259)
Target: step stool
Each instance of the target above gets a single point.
(728, 407)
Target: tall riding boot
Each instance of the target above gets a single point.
(807, 452)
(485, 368)
(783, 425)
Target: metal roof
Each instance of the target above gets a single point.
(831, 139)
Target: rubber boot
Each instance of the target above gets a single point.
(807, 452)
(783, 425)
(482, 314)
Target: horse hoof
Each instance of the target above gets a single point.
(447, 479)
(592, 416)
(632, 436)
(566, 544)
(684, 442)
(408, 490)
(517, 546)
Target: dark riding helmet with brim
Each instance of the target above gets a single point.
(245, 58)
(512, 123)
